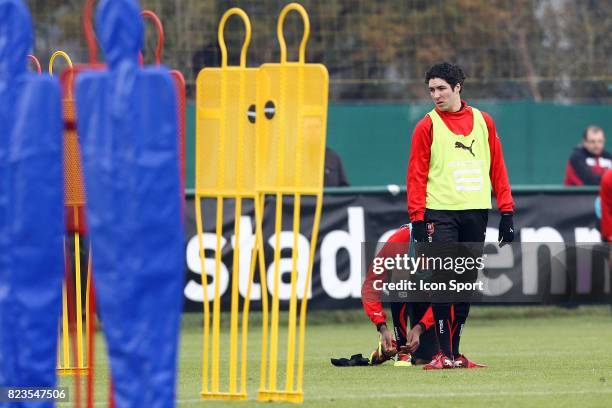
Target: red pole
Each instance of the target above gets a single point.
(91, 340)
(72, 316)
(36, 63)
(90, 35)
(160, 33)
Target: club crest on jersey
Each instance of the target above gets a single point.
(430, 228)
(459, 145)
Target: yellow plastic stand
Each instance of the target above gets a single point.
(225, 169)
(292, 100)
(74, 197)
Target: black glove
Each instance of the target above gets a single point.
(419, 232)
(506, 229)
(355, 361)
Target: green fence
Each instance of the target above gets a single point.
(522, 189)
(374, 139)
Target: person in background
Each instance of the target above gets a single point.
(589, 160)
(334, 171)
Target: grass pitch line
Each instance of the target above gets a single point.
(429, 395)
(461, 394)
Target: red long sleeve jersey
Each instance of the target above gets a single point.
(461, 123)
(370, 298)
(605, 193)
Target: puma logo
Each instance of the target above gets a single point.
(459, 145)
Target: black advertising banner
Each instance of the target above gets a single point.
(350, 220)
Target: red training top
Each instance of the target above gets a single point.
(586, 169)
(461, 123)
(605, 193)
(370, 297)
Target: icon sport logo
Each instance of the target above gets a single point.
(459, 145)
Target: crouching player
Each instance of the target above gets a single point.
(415, 346)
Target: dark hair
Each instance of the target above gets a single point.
(449, 72)
(591, 128)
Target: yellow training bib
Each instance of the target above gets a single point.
(459, 167)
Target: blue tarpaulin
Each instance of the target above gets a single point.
(31, 209)
(128, 127)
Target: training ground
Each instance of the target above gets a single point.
(538, 356)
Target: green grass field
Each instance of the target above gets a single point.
(537, 356)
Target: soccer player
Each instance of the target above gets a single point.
(455, 160)
(409, 346)
(605, 196)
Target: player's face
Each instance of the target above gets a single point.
(595, 142)
(445, 97)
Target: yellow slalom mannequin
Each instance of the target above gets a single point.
(225, 169)
(74, 198)
(292, 102)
